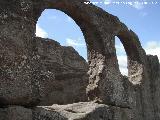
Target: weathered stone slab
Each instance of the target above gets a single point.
(76, 111)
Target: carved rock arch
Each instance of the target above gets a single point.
(25, 84)
(99, 29)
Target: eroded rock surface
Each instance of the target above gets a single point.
(70, 70)
(15, 113)
(48, 77)
(76, 111)
(36, 71)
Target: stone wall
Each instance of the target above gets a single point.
(36, 71)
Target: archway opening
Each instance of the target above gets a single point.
(57, 25)
(121, 56)
(69, 68)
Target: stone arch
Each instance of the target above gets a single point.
(135, 55)
(106, 84)
(99, 29)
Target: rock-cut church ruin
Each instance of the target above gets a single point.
(42, 80)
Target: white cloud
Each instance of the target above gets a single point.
(122, 61)
(122, 58)
(107, 2)
(153, 48)
(137, 5)
(152, 44)
(40, 32)
(74, 43)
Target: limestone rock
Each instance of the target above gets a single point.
(45, 78)
(23, 80)
(154, 73)
(76, 111)
(82, 111)
(40, 71)
(70, 72)
(15, 113)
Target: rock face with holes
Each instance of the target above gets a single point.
(36, 71)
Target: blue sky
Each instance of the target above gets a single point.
(142, 17)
